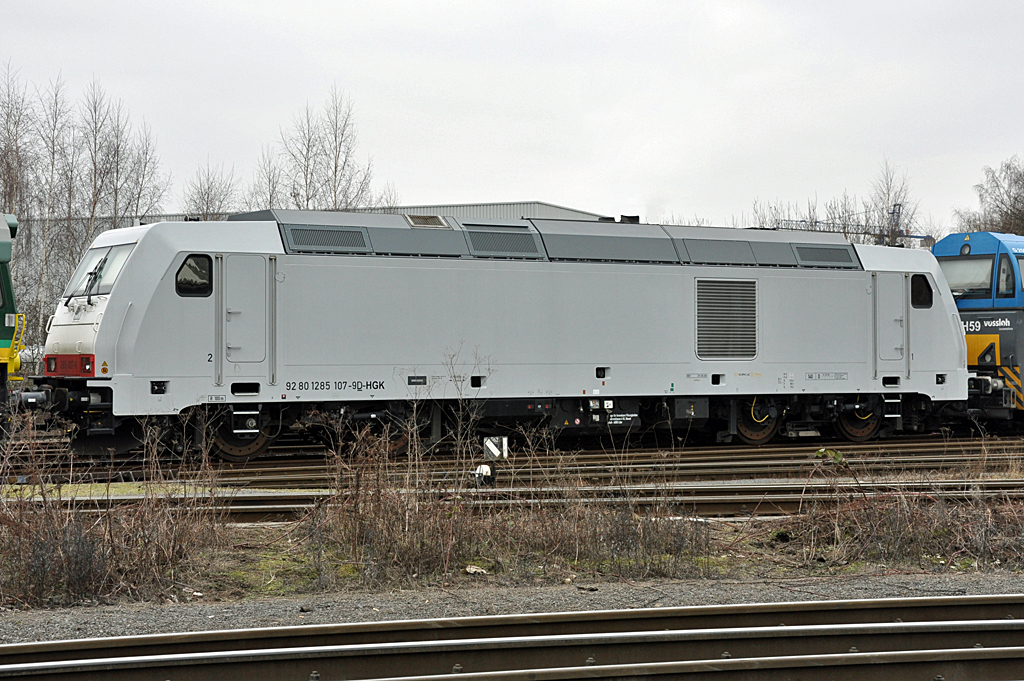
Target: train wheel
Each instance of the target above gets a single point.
(859, 425)
(757, 422)
(230, 447)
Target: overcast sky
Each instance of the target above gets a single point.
(684, 108)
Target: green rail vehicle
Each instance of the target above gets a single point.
(12, 333)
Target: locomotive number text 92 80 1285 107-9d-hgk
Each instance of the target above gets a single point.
(357, 386)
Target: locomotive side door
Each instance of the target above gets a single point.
(245, 308)
(890, 320)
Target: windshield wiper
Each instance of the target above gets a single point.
(92, 278)
(95, 278)
(961, 292)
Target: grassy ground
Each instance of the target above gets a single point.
(280, 560)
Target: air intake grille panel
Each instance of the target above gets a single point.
(434, 221)
(310, 239)
(322, 238)
(511, 244)
(726, 319)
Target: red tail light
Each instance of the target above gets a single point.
(71, 365)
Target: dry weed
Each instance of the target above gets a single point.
(388, 527)
(57, 548)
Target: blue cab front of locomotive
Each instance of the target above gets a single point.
(983, 269)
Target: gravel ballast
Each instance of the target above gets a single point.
(485, 599)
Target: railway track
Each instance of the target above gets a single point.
(302, 465)
(722, 499)
(633, 467)
(927, 638)
(715, 481)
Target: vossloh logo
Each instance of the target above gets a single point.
(996, 323)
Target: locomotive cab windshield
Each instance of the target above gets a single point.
(968, 275)
(98, 271)
(983, 269)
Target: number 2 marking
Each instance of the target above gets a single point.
(209, 357)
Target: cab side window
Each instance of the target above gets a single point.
(920, 291)
(1006, 283)
(195, 277)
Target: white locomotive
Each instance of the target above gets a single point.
(577, 325)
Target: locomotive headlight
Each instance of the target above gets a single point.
(86, 365)
(51, 364)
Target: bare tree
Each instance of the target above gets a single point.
(785, 215)
(346, 183)
(318, 164)
(386, 199)
(211, 193)
(302, 152)
(846, 216)
(120, 156)
(268, 183)
(17, 143)
(695, 221)
(95, 125)
(891, 210)
(74, 176)
(54, 129)
(146, 187)
(888, 216)
(1001, 201)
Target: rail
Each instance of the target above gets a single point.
(723, 499)
(948, 637)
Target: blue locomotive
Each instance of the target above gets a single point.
(984, 270)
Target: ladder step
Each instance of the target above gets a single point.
(892, 407)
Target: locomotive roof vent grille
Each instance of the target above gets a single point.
(306, 239)
(503, 243)
(726, 319)
(429, 221)
(826, 256)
